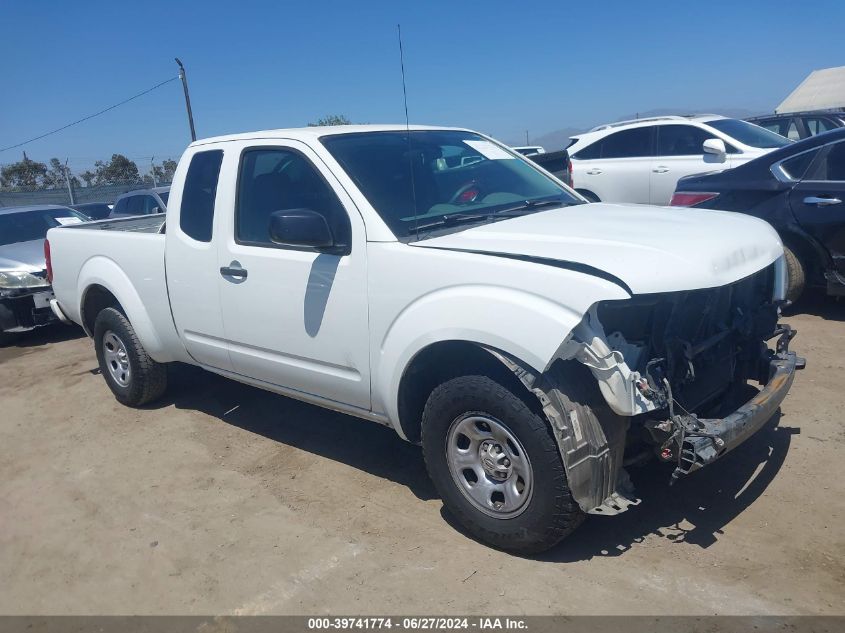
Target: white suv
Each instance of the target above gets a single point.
(642, 160)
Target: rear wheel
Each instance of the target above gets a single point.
(795, 273)
(130, 373)
(496, 466)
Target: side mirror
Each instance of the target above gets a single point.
(715, 146)
(301, 228)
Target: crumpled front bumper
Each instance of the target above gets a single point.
(25, 309)
(714, 438)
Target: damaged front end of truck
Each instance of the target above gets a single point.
(674, 371)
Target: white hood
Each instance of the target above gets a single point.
(651, 249)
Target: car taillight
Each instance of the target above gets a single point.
(569, 171)
(685, 199)
(49, 262)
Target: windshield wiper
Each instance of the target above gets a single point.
(452, 219)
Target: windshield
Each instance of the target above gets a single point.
(749, 134)
(454, 174)
(25, 226)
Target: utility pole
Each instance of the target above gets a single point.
(67, 180)
(526, 137)
(153, 170)
(184, 79)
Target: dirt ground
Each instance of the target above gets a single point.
(223, 499)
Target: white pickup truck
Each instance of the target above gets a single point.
(434, 281)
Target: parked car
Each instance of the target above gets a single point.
(801, 125)
(556, 163)
(94, 210)
(799, 190)
(529, 150)
(25, 291)
(475, 308)
(141, 202)
(642, 160)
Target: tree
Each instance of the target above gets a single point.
(163, 173)
(88, 176)
(117, 171)
(55, 175)
(23, 174)
(169, 168)
(331, 119)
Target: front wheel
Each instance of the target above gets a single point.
(134, 378)
(497, 466)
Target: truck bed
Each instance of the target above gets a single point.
(138, 224)
(127, 256)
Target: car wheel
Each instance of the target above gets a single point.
(130, 373)
(796, 276)
(496, 465)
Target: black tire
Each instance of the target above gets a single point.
(796, 276)
(146, 379)
(549, 514)
(6, 339)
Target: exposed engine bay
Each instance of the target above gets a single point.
(695, 352)
(674, 370)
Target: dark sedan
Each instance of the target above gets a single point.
(799, 189)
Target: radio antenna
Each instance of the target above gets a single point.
(408, 132)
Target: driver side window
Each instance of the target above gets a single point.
(275, 179)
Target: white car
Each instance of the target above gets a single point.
(433, 281)
(642, 160)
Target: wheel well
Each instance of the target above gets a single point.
(810, 255)
(97, 298)
(589, 195)
(443, 361)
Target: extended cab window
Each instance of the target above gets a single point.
(196, 217)
(275, 179)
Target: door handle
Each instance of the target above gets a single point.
(821, 202)
(595, 171)
(229, 271)
(660, 170)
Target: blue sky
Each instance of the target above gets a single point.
(499, 67)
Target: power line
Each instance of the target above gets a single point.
(91, 116)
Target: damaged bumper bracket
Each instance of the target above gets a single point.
(717, 437)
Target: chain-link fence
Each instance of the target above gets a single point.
(72, 181)
(22, 196)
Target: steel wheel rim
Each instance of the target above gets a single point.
(116, 359)
(489, 465)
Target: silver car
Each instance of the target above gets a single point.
(25, 292)
(141, 202)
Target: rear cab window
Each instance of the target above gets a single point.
(196, 215)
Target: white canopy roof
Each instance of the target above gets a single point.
(821, 90)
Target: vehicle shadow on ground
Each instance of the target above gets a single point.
(693, 511)
(818, 304)
(364, 445)
(23, 342)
